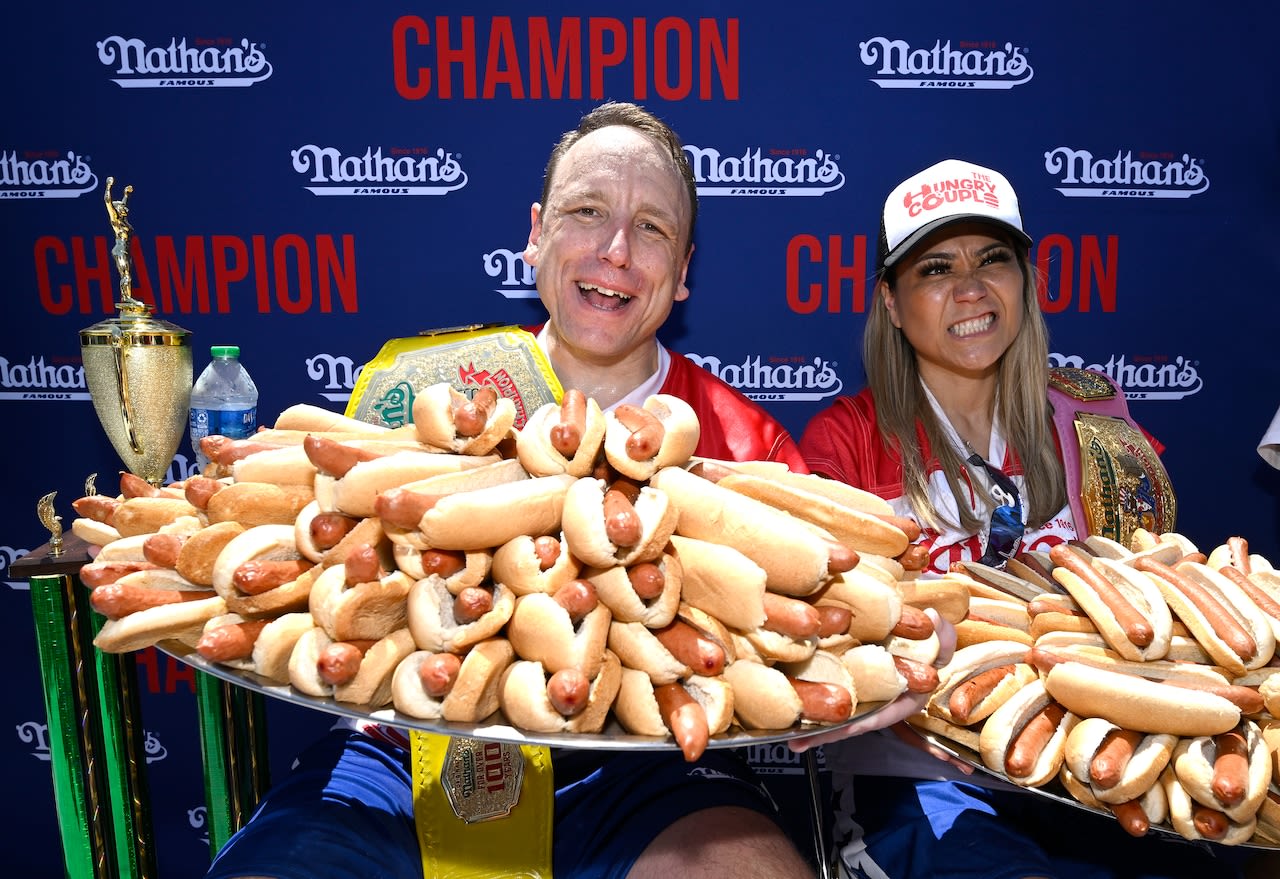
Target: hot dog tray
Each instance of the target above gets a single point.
(495, 728)
(1053, 790)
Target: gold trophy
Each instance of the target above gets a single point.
(138, 368)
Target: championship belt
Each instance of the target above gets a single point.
(481, 809)
(1121, 485)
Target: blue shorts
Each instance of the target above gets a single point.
(349, 796)
(953, 829)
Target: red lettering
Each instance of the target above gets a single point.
(260, 274)
(1054, 252)
(148, 666)
(711, 47)
(292, 249)
(802, 246)
(179, 673)
(855, 273)
(1091, 269)
(502, 64)
(50, 249)
(598, 58)
(100, 272)
(568, 58)
(333, 268)
(639, 72)
(404, 27)
(180, 287)
(464, 56)
(807, 300)
(679, 28)
(225, 272)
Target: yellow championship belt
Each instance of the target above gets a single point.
(482, 809)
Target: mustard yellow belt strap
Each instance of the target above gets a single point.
(482, 809)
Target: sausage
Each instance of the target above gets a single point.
(921, 678)
(402, 507)
(1224, 625)
(1043, 659)
(690, 647)
(967, 695)
(1026, 745)
(472, 603)
(225, 451)
(1257, 595)
(913, 624)
(438, 673)
(470, 416)
(132, 485)
(1247, 699)
(1209, 823)
(647, 580)
(1133, 819)
(647, 431)
(444, 563)
(578, 598)
(790, 616)
(257, 576)
(333, 457)
(162, 549)
(199, 489)
(116, 600)
(909, 527)
(1239, 550)
(328, 529)
(339, 661)
(840, 558)
(833, 620)
(566, 435)
(96, 574)
(1051, 602)
(1230, 768)
(622, 523)
(914, 558)
(231, 641)
(362, 565)
(684, 717)
(568, 689)
(1137, 628)
(547, 550)
(823, 703)
(1112, 757)
(97, 507)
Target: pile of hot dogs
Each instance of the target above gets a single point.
(1143, 679)
(583, 566)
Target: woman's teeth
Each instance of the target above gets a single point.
(972, 327)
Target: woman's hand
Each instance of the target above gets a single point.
(896, 711)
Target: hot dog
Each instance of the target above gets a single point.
(1126, 607)
(147, 607)
(978, 680)
(359, 673)
(1223, 620)
(616, 524)
(439, 625)
(559, 631)
(1006, 581)
(641, 440)
(458, 569)
(876, 606)
(359, 599)
(355, 492)
(262, 543)
(1025, 738)
(259, 503)
(449, 420)
(691, 710)
(1136, 816)
(564, 701)
(711, 512)
(1194, 820)
(460, 688)
(564, 437)
(647, 592)
(1118, 765)
(1229, 771)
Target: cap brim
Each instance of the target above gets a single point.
(929, 228)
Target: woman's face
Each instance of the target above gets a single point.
(958, 300)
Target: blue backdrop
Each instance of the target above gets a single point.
(310, 184)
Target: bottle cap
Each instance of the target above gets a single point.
(225, 351)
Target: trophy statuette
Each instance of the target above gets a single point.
(137, 368)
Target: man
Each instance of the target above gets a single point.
(611, 239)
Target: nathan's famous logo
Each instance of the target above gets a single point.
(756, 171)
(969, 64)
(202, 63)
(1156, 377)
(398, 171)
(515, 276)
(776, 379)
(337, 374)
(45, 174)
(36, 379)
(35, 733)
(1126, 174)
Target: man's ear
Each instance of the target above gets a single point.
(535, 233)
(682, 291)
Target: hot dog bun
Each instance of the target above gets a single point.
(1006, 723)
(679, 431)
(435, 417)
(1139, 704)
(473, 695)
(617, 589)
(541, 629)
(1142, 771)
(537, 452)
(435, 624)
(587, 527)
(967, 663)
(526, 701)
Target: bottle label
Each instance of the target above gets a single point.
(231, 423)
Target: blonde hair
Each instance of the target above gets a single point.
(1023, 409)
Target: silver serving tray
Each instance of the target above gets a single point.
(495, 727)
(1054, 789)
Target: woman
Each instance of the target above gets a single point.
(964, 428)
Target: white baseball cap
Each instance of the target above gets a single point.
(947, 192)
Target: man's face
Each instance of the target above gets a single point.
(610, 244)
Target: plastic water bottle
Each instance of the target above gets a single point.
(224, 400)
